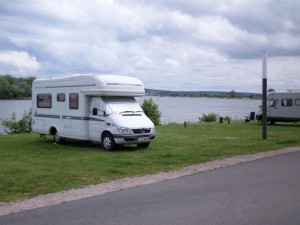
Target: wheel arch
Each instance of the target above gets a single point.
(103, 133)
(52, 130)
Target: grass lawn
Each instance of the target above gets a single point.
(30, 166)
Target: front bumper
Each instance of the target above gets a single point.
(133, 139)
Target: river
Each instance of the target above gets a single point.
(180, 109)
(173, 109)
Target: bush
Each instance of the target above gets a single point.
(211, 117)
(151, 110)
(12, 126)
(228, 119)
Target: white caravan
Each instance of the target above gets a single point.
(283, 106)
(99, 108)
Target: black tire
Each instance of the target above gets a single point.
(108, 142)
(58, 139)
(143, 145)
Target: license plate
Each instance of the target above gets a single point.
(143, 139)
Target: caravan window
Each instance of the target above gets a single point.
(44, 101)
(297, 101)
(286, 102)
(272, 102)
(60, 97)
(73, 101)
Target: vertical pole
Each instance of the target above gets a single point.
(264, 95)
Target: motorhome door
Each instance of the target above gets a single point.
(97, 114)
(272, 107)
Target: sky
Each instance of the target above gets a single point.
(187, 45)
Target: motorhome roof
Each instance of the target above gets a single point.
(293, 90)
(287, 91)
(99, 79)
(89, 84)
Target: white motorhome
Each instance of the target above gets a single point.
(99, 108)
(283, 106)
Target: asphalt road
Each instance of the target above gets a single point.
(265, 191)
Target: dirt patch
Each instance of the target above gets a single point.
(100, 189)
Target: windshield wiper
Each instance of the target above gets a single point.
(132, 112)
(126, 112)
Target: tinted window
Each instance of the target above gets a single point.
(286, 102)
(73, 101)
(61, 97)
(272, 102)
(297, 101)
(44, 100)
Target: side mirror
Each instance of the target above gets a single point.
(95, 111)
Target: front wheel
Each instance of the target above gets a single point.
(108, 142)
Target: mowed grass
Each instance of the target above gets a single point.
(31, 166)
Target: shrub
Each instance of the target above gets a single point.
(151, 110)
(14, 126)
(211, 117)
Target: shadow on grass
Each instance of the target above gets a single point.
(128, 148)
(82, 145)
(285, 124)
(279, 124)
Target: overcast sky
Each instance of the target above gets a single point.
(169, 44)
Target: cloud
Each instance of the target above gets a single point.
(175, 45)
(17, 62)
(172, 62)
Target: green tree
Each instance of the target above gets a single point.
(11, 87)
(232, 94)
(5, 88)
(151, 110)
(211, 117)
(271, 90)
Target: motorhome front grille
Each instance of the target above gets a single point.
(141, 131)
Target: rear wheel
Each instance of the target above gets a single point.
(58, 139)
(108, 142)
(272, 122)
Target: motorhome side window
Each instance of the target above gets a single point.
(272, 102)
(73, 101)
(297, 101)
(44, 100)
(286, 102)
(60, 97)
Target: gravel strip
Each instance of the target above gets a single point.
(116, 185)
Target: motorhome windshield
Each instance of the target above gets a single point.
(122, 105)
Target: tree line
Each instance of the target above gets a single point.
(18, 88)
(210, 94)
(15, 88)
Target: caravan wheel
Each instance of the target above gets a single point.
(58, 139)
(108, 142)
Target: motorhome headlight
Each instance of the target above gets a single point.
(153, 130)
(124, 130)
